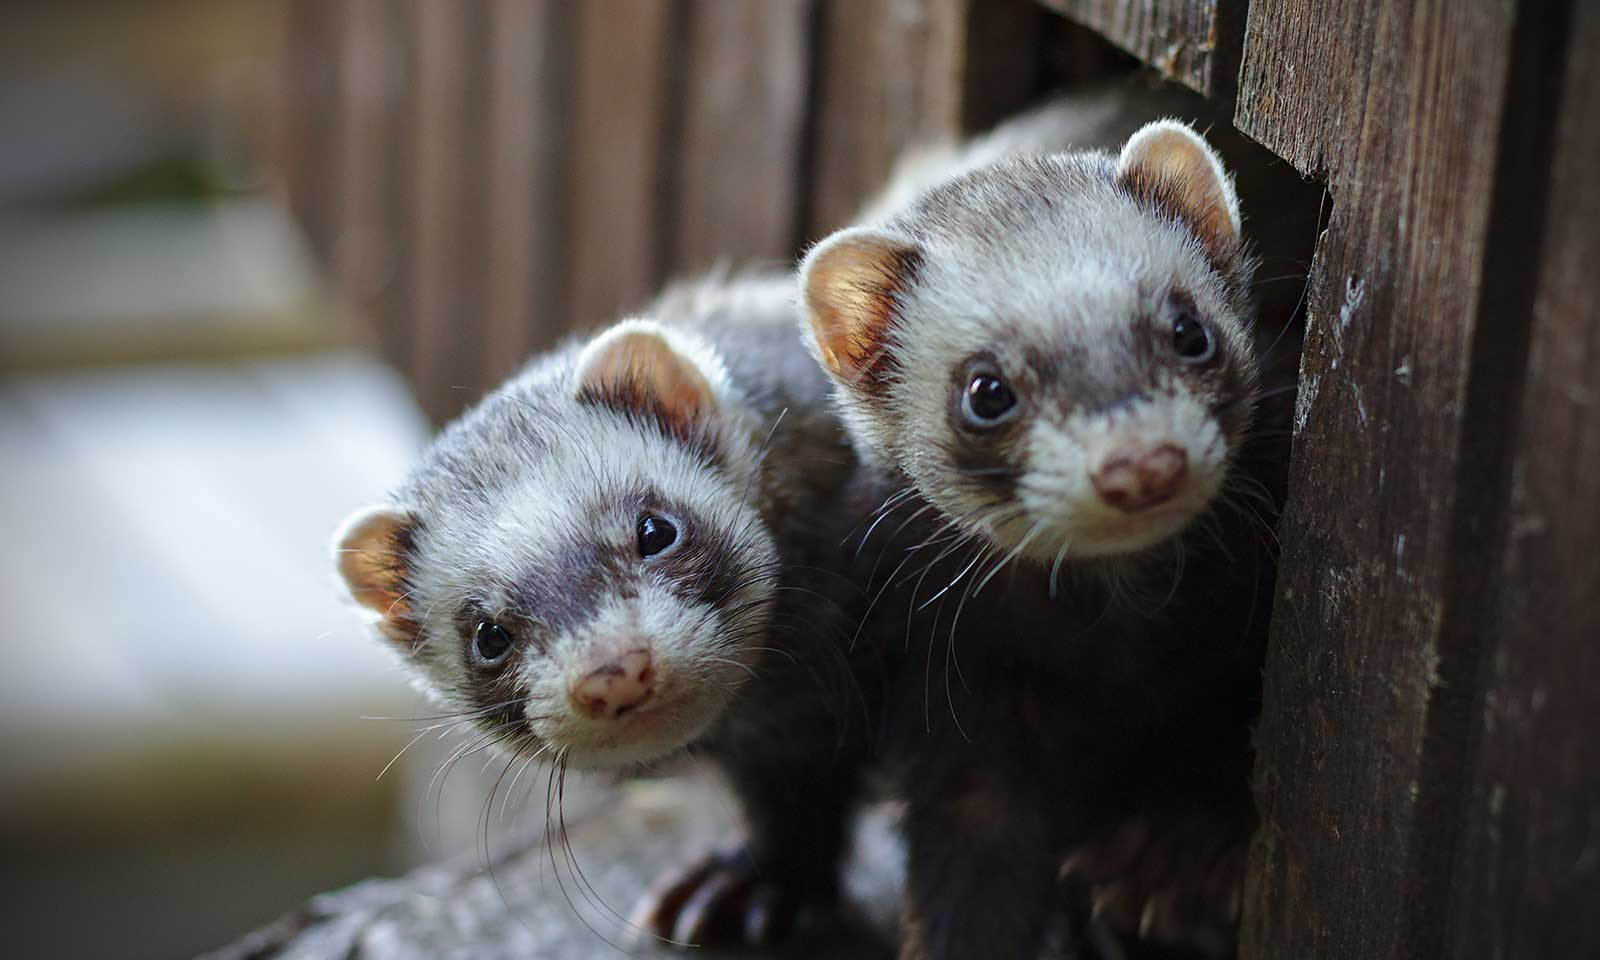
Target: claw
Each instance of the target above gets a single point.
(656, 911)
(1172, 882)
(719, 900)
(1158, 920)
(700, 913)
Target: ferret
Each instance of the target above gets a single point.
(616, 557)
(1050, 367)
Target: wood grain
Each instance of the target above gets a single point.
(891, 73)
(1425, 120)
(307, 85)
(738, 174)
(363, 246)
(615, 219)
(443, 205)
(524, 169)
(1196, 42)
(1526, 866)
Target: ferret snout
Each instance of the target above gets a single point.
(1136, 479)
(613, 689)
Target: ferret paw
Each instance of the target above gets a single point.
(721, 899)
(1177, 882)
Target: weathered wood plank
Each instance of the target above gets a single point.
(1196, 42)
(444, 205)
(615, 212)
(527, 71)
(364, 236)
(301, 123)
(1425, 122)
(737, 179)
(1000, 59)
(1527, 873)
(856, 130)
(1295, 107)
(891, 73)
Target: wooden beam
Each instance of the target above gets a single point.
(364, 237)
(300, 118)
(1526, 864)
(616, 207)
(1195, 42)
(1427, 122)
(527, 75)
(891, 73)
(738, 174)
(445, 204)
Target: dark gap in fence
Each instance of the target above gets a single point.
(805, 161)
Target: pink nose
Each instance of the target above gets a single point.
(1134, 480)
(617, 687)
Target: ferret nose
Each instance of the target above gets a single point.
(1135, 480)
(612, 690)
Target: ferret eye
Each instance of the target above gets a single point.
(1191, 339)
(988, 399)
(491, 641)
(655, 535)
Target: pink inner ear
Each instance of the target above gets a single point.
(851, 289)
(1172, 169)
(640, 370)
(372, 558)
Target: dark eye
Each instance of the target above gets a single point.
(988, 399)
(1191, 339)
(655, 535)
(491, 641)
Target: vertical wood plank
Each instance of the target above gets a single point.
(1527, 875)
(1196, 42)
(737, 179)
(527, 78)
(1297, 109)
(891, 73)
(882, 83)
(434, 214)
(363, 248)
(1426, 121)
(445, 205)
(1004, 52)
(303, 114)
(616, 209)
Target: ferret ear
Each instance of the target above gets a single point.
(372, 551)
(641, 367)
(1171, 167)
(851, 284)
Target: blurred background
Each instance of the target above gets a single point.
(250, 253)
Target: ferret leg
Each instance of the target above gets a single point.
(1172, 873)
(982, 872)
(781, 874)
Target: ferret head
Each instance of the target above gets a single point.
(576, 567)
(1054, 350)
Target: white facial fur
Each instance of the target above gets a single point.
(1060, 507)
(525, 513)
(1062, 278)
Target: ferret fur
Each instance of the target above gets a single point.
(1061, 687)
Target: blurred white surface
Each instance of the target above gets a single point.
(166, 548)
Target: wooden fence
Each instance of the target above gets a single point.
(483, 176)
